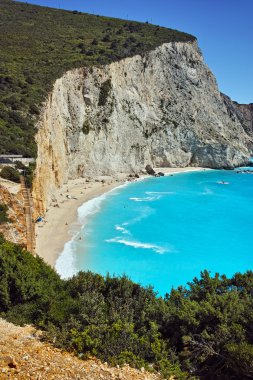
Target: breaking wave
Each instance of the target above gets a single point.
(136, 244)
(65, 264)
(94, 205)
(145, 199)
(159, 192)
(122, 229)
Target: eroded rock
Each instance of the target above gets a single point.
(150, 170)
(168, 112)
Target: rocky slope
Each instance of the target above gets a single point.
(246, 117)
(243, 112)
(23, 356)
(15, 230)
(163, 108)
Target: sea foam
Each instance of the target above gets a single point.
(159, 192)
(145, 199)
(136, 244)
(65, 264)
(151, 196)
(94, 205)
(122, 229)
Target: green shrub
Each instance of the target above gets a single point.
(104, 92)
(86, 127)
(27, 171)
(3, 214)
(203, 331)
(34, 110)
(10, 174)
(26, 282)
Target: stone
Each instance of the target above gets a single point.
(150, 170)
(8, 362)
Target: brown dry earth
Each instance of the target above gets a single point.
(11, 196)
(24, 357)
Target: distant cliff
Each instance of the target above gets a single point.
(162, 108)
(246, 117)
(243, 112)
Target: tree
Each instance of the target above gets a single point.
(10, 174)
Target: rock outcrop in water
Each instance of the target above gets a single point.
(163, 109)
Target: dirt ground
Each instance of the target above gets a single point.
(23, 356)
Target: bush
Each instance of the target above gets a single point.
(3, 214)
(108, 318)
(10, 174)
(106, 38)
(104, 92)
(204, 330)
(28, 174)
(114, 45)
(86, 127)
(94, 42)
(34, 110)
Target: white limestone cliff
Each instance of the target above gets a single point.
(163, 109)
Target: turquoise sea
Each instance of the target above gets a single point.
(165, 231)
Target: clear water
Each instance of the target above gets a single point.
(164, 231)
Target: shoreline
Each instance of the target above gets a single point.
(61, 223)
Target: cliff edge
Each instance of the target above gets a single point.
(161, 108)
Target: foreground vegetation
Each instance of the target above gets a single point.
(4, 214)
(38, 44)
(13, 173)
(202, 331)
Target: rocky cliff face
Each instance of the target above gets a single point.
(243, 112)
(162, 109)
(15, 230)
(246, 117)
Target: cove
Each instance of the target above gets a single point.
(164, 231)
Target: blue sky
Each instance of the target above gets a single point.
(224, 29)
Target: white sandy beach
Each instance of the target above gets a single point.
(61, 222)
